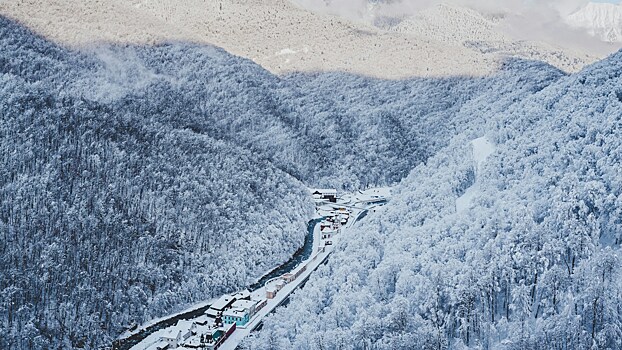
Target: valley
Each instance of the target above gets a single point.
(268, 293)
(156, 159)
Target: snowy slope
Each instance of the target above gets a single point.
(486, 34)
(534, 265)
(451, 24)
(602, 20)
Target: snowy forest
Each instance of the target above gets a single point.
(533, 262)
(136, 181)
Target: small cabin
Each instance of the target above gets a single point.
(270, 293)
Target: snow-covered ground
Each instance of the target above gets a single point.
(458, 25)
(482, 149)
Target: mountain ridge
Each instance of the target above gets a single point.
(270, 32)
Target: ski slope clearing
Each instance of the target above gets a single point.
(482, 148)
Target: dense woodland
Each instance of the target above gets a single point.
(128, 174)
(113, 212)
(533, 264)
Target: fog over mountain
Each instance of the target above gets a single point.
(129, 173)
(542, 23)
(602, 20)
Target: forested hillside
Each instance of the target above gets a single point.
(112, 213)
(129, 173)
(533, 262)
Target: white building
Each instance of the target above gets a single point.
(217, 308)
(175, 336)
(246, 305)
(235, 315)
(245, 294)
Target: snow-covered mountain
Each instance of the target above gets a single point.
(602, 20)
(139, 176)
(283, 36)
(140, 162)
(484, 33)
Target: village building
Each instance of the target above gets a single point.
(326, 224)
(209, 337)
(243, 295)
(219, 306)
(260, 304)
(325, 194)
(203, 320)
(212, 313)
(271, 293)
(246, 305)
(327, 232)
(172, 339)
(280, 285)
(234, 315)
(288, 277)
(174, 336)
